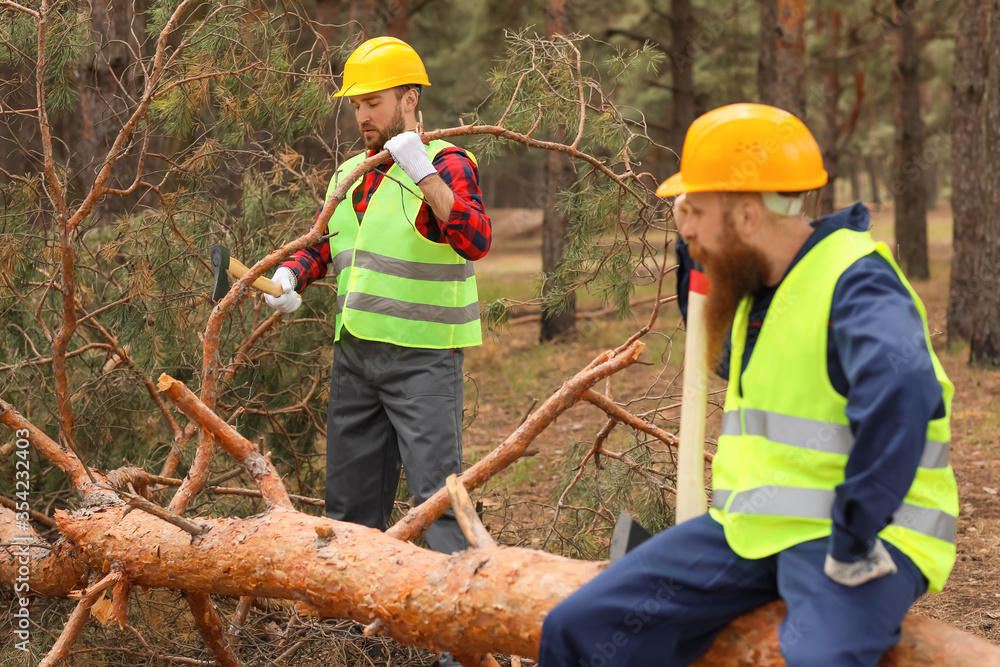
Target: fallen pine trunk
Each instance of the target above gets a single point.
(51, 569)
(477, 601)
(491, 599)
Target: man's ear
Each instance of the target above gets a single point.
(410, 100)
(747, 216)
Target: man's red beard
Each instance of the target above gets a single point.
(734, 272)
(376, 141)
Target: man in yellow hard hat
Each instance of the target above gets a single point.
(407, 303)
(831, 485)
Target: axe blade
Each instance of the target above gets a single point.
(627, 535)
(220, 264)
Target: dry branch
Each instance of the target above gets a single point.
(258, 466)
(89, 483)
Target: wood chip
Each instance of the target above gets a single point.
(102, 611)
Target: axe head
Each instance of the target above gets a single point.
(627, 535)
(220, 264)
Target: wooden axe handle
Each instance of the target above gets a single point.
(691, 499)
(262, 284)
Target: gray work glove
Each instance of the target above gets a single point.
(411, 155)
(877, 563)
(290, 300)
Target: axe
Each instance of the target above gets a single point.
(222, 262)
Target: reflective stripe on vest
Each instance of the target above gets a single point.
(403, 268)
(406, 310)
(818, 504)
(815, 435)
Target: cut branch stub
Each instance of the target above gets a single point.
(465, 514)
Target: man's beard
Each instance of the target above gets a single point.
(376, 142)
(734, 272)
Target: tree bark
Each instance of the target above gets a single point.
(831, 143)
(781, 72)
(908, 187)
(399, 19)
(968, 90)
(984, 345)
(108, 78)
(559, 175)
(362, 13)
(871, 166)
(767, 68)
(54, 571)
(682, 27)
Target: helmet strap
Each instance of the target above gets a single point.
(782, 204)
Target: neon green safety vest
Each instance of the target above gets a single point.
(786, 438)
(394, 285)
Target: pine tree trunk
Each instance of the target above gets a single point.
(871, 165)
(558, 176)
(781, 72)
(831, 143)
(967, 160)
(362, 14)
(767, 70)
(984, 345)
(682, 31)
(116, 26)
(399, 19)
(908, 188)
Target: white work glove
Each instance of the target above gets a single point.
(411, 155)
(290, 300)
(877, 563)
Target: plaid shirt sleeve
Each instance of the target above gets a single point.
(468, 229)
(309, 264)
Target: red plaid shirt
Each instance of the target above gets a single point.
(468, 229)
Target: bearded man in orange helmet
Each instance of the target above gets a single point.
(407, 302)
(831, 486)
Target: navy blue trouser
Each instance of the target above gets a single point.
(664, 603)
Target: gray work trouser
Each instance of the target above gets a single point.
(393, 406)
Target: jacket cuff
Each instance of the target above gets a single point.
(847, 548)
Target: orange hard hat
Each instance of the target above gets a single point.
(379, 64)
(747, 148)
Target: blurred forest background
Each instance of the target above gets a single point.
(125, 155)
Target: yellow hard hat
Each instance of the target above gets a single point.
(379, 64)
(747, 148)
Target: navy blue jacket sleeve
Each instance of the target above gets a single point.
(892, 394)
(684, 264)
